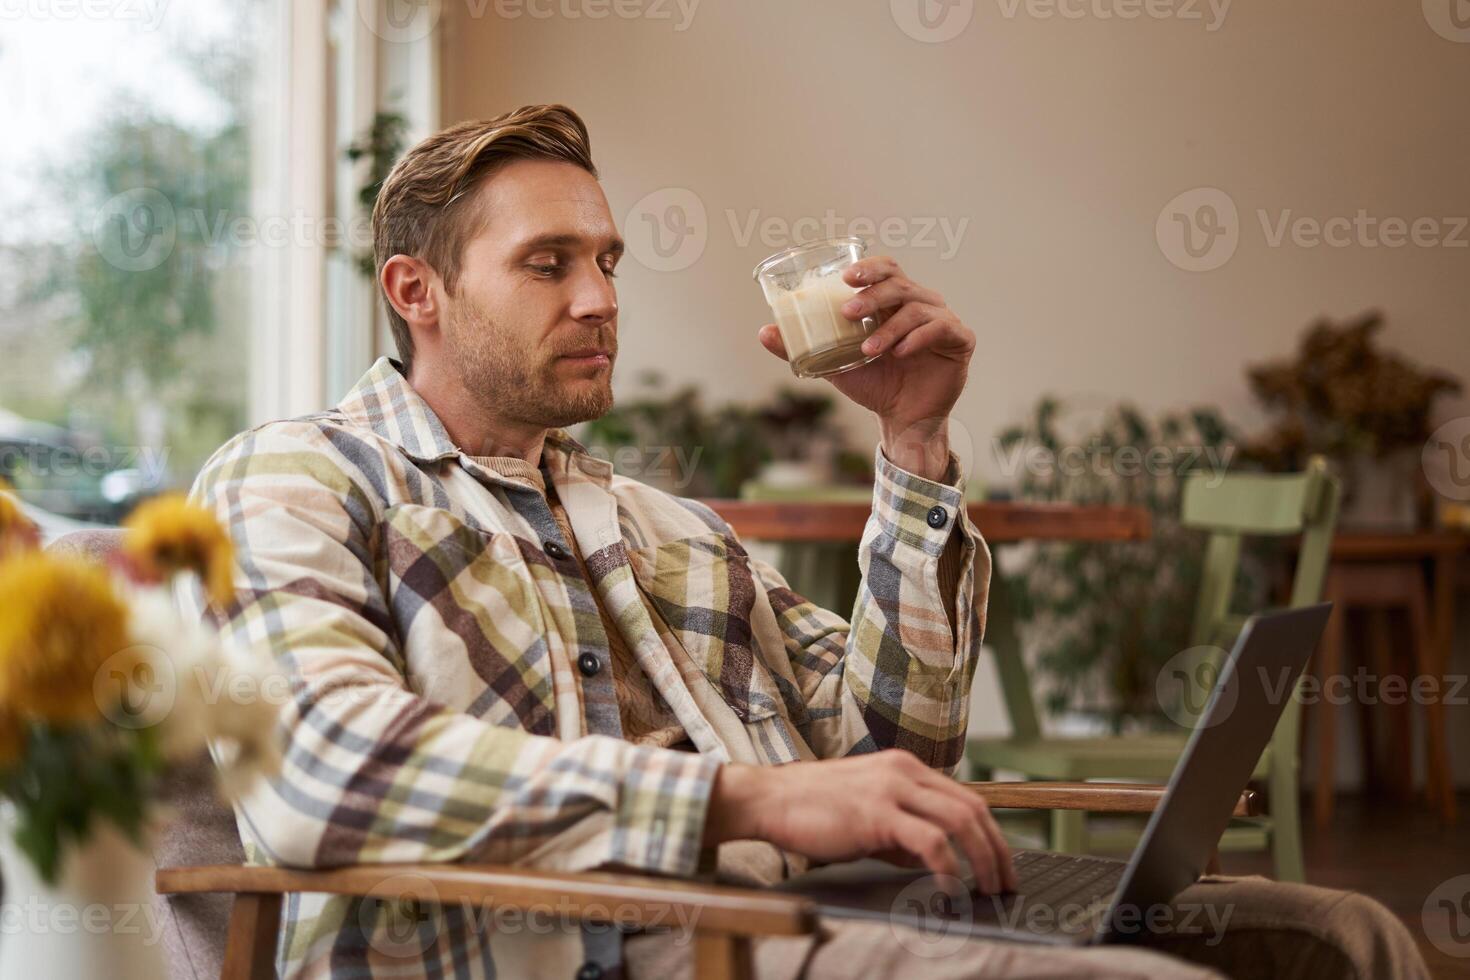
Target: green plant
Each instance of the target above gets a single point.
(1103, 618)
(794, 421)
(74, 778)
(382, 145)
(710, 453)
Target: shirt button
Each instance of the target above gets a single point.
(555, 550)
(588, 664)
(589, 971)
(937, 516)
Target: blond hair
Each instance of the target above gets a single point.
(426, 205)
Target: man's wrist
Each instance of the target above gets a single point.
(921, 448)
(733, 804)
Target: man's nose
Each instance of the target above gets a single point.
(594, 299)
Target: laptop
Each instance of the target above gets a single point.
(1065, 899)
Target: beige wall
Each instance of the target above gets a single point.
(1057, 140)
(1054, 142)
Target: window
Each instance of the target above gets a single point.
(133, 169)
(181, 230)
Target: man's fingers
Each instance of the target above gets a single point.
(770, 338)
(892, 330)
(957, 819)
(888, 295)
(941, 335)
(1005, 861)
(925, 841)
(874, 268)
(985, 821)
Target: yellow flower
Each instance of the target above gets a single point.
(60, 621)
(17, 533)
(168, 534)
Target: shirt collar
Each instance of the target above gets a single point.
(384, 401)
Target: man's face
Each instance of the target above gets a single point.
(532, 325)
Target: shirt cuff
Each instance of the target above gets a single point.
(662, 809)
(915, 510)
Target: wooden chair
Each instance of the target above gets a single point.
(1228, 508)
(1372, 576)
(726, 919)
(224, 917)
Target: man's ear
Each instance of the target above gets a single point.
(413, 289)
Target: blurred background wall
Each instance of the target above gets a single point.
(1046, 144)
(1024, 167)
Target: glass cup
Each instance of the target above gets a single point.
(804, 286)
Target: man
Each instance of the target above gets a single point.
(502, 652)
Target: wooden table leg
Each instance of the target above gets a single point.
(1384, 664)
(1445, 566)
(1324, 719)
(1369, 737)
(722, 956)
(1434, 663)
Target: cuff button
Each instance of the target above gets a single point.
(937, 517)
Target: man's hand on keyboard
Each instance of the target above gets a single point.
(887, 805)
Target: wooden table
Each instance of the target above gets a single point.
(999, 521)
(1375, 573)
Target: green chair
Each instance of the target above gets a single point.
(1226, 508)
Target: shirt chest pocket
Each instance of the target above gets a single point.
(703, 588)
(468, 617)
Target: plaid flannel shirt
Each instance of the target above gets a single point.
(427, 614)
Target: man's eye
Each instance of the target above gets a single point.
(547, 270)
(609, 273)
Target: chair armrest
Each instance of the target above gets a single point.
(626, 899)
(1095, 797)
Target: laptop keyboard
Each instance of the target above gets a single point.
(1051, 879)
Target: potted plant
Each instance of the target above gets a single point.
(1366, 409)
(104, 689)
(802, 440)
(1100, 620)
(668, 439)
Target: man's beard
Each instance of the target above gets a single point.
(520, 382)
